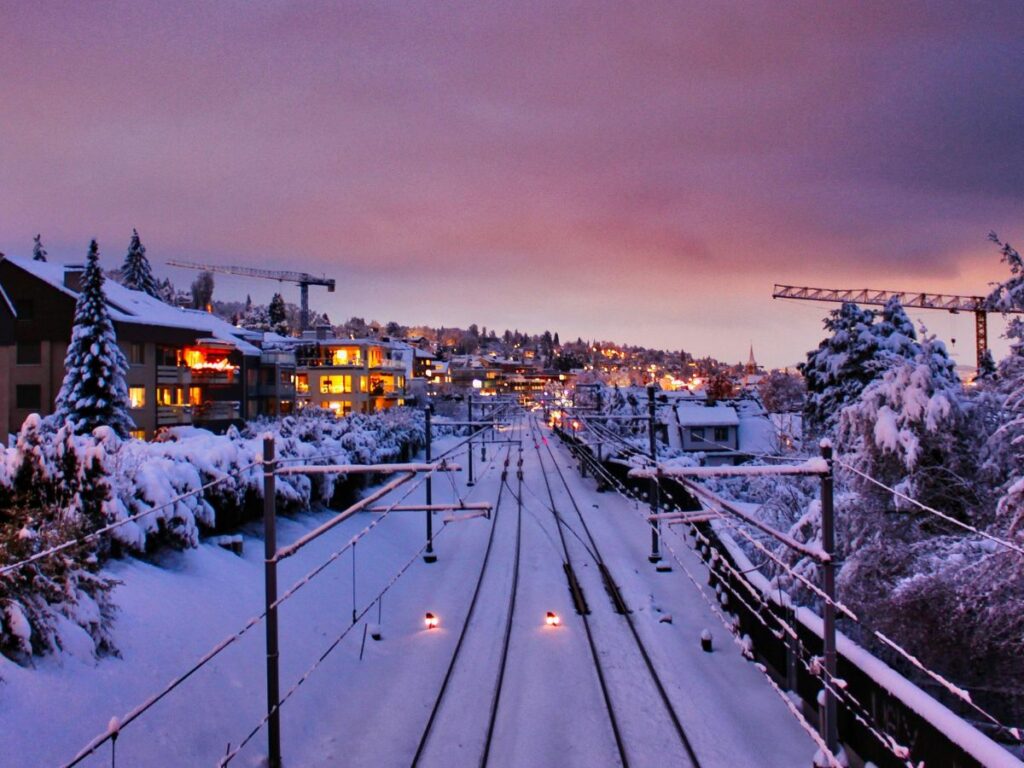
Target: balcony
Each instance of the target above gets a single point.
(173, 415)
(216, 410)
(173, 374)
(214, 375)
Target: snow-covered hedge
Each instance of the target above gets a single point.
(56, 486)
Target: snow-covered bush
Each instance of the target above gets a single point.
(54, 490)
(57, 486)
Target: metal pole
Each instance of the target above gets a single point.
(429, 556)
(270, 597)
(655, 554)
(304, 303)
(486, 433)
(469, 407)
(828, 572)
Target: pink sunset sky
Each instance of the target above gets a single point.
(634, 172)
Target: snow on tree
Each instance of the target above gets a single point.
(1004, 449)
(59, 492)
(839, 369)
(909, 430)
(897, 340)
(94, 393)
(38, 252)
(277, 315)
(135, 271)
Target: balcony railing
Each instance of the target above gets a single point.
(173, 374)
(216, 410)
(173, 415)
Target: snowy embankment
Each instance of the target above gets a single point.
(68, 503)
(177, 607)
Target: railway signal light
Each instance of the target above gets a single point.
(552, 619)
(430, 620)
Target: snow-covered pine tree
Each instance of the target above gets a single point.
(909, 430)
(842, 365)
(277, 314)
(94, 392)
(136, 272)
(897, 340)
(38, 252)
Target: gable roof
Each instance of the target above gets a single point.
(693, 415)
(139, 308)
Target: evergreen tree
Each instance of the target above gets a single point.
(842, 365)
(94, 392)
(38, 252)
(202, 290)
(136, 272)
(277, 314)
(897, 339)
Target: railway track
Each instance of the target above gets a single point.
(589, 545)
(445, 692)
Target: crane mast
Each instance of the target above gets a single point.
(913, 299)
(303, 279)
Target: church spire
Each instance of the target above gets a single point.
(751, 363)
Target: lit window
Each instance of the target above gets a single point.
(195, 396)
(302, 383)
(136, 397)
(347, 356)
(138, 434)
(335, 385)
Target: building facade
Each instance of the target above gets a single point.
(185, 367)
(348, 375)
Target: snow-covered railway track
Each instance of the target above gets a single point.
(445, 738)
(619, 682)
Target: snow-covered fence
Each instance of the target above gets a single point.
(885, 718)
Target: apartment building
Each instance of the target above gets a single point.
(184, 366)
(348, 375)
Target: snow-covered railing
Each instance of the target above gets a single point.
(809, 467)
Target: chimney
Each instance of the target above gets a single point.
(323, 332)
(73, 276)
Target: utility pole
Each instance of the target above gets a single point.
(469, 414)
(270, 598)
(655, 489)
(830, 725)
(429, 556)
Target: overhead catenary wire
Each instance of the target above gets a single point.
(931, 510)
(89, 538)
(217, 649)
(323, 656)
(888, 741)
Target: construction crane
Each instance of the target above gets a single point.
(304, 279)
(913, 299)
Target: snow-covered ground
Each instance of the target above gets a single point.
(372, 711)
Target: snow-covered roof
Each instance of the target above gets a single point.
(693, 415)
(758, 435)
(128, 306)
